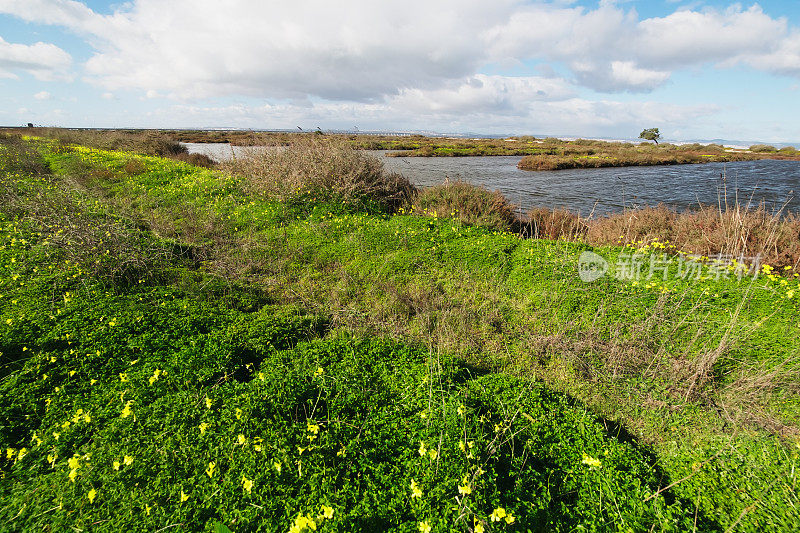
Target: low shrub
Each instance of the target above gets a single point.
(198, 160)
(323, 169)
(763, 148)
(468, 203)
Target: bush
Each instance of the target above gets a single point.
(763, 148)
(198, 160)
(468, 203)
(324, 169)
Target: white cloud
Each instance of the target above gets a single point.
(44, 61)
(365, 51)
(415, 62)
(42, 95)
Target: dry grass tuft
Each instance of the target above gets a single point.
(324, 168)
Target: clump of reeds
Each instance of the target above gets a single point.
(323, 168)
(729, 230)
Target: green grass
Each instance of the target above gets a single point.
(340, 344)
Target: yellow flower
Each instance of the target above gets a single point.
(203, 427)
(478, 527)
(126, 411)
(510, 518)
(277, 466)
(247, 484)
(416, 492)
(313, 428)
(184, 496)
(51, 458)
(433, 454)
(92, 381)
(91, 495)
(591, 461)
(238, 414)
(208, 402)
(498, 514)
(327, 512)
(319, 371)
(155, 376)
(147, 509)
(210, 469)
(424, 527)
(73, 474)
(123, 377)
(241, 439)
(127, 460)
(464, 490)
(115, 464)
(422, 451)
(73, 462)
(460, 410)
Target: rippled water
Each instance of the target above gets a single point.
(604, 190)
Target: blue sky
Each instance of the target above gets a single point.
(695, 69)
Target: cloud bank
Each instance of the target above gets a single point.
(421, 57)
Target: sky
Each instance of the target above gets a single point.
(592, 68)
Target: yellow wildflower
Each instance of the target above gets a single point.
(424, 527)
(127, 460)
(465, 490)
(327, 512)
(247, 484)
(313, 428)
(209, 402)
(241, 439)
(422, 450)
(115, 464)
(498, 514)
(91, 495)
(210, 469)
(184, 496)
(203, 427)
(478, 527)
(277, 466)
(238, 414)
(319, 371)
(126, 411)
(416, 492)
(74, 462)
(591, 461)
(510, 518)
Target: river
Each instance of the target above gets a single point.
(603, 190)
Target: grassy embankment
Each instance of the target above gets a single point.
(288, 342)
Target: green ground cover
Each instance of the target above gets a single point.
(178, 350)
